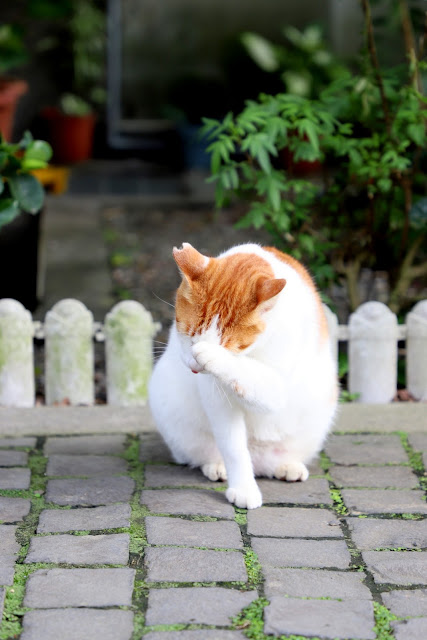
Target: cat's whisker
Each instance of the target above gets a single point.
(161, 300)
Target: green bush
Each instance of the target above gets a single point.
(368, 208)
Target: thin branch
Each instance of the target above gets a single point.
(409, 39)
(374, 59)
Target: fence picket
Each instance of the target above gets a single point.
(373, 353)
(416, 351)
(69, 359)
(69, 331)
(129, 330)
(16, 355)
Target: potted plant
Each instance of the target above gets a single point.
(12, 54)
(70, 125)
(21, 203)
(369, 214)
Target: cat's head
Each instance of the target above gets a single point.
(224, 299)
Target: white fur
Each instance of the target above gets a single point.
(265, 412)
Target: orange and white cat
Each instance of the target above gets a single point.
(250, 323)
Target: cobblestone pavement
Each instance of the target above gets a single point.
(103, 538)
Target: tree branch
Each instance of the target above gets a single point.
(374, 60)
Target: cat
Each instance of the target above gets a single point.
(247, 384)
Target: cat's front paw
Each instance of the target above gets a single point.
(209, 357)
(292, 472)
(245, 496)
(214, 471)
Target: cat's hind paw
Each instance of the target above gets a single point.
(245, 497)
(214, 471)
(292, 472)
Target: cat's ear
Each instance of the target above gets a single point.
(191, 263)
(267, 288)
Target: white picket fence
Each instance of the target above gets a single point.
(69, 331)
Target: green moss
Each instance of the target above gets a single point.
(338, 502)
(383, 618)
(251, 620)
(240, 516)
(415, 457)
(253, 567)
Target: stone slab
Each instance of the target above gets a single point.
(10, 458)
(84, 519)
(99, 419)
(196, 605)
(85, 465)
(418, 441)
(302, 553)
(90, 492)
(85, 445)
(410, 629)
(384, 501)
(313, 491)
(202, 502)
(288, 522)
(320, 618)
(312, 583)
(410, 417)
(80, 550)
(405, 603)
(9, 548)
(56, 588)
(366, 449)
(14, 509)
(15, 478)
(374, 477)
(18, 442)
(196, 634)
(371, 533)
(397, 567)
(162, 475)
(78, 624)
(153, 448)
(194, 565)
(176, 531)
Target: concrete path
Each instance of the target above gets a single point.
(103, 538)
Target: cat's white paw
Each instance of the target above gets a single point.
(209, 356)
(214, 471)
(246, 496)
(292, 472)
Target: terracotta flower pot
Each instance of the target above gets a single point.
(10, 92)
(71, 137)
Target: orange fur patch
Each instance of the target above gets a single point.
(229, 288)
(308, 280)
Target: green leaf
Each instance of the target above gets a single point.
(39, 151)
(27, 190)
(417, 133)
(9, 209)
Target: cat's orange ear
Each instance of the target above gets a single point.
(268, 288)
(191, 263)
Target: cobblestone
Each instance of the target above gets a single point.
(143, 554)
(213, 605)
(91, 492)
(374, 477)
(188, 502)
(194, 565)
(13, 509)
(384, 501)
(15, 478)
(78, 624)
(302, 553)
(85, 519)
(55, 588)
(397, 567)
(369, 533)
(193, 534)
(89, 466)
(293, 523)
(69, 549)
